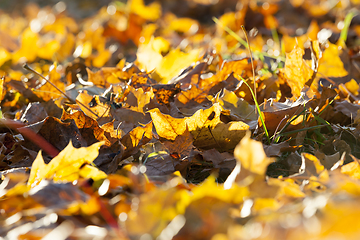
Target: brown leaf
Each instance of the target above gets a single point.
(88, 127)
(59, 133)
(182, 145)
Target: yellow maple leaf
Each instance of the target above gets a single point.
(149, 55)
(251, 155)
(184, 25)
(210, 132)
(205, 126)
(101, 109)
(167, 126)
(174, 62)
(330, 64)
(295, 71)
(48, 49)
(287, 187)
(4, 56)
(156, 209)
(67, 166)
(28, 49)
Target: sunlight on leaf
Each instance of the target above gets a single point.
(67, 166)
(101, 109)
(47, 91)
(149, 55)
(237, 105)
(175, 61)
(251, 155)
(167, 126)
(205, 126)
(150, 12)
(352, 169)
(154, 210)
(288, 187)
(295, 71)
(4, 56)
(330, 65)
(28, 49)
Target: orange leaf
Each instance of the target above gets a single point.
(48, 92)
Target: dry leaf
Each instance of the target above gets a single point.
(251, 155)
(67, 166)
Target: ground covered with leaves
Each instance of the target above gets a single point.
(170, 119)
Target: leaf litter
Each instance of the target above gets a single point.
(140, 120)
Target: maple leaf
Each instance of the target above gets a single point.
(67, 166)
(295, 71)
(48, 92)
(88, 127)
(251, 155)
(237, 105)
(205, 126)
(167, 126)
(149, 55)
(174, 62)
(28, 49)
(330, 64)
(136, 136)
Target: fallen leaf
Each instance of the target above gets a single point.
(251, 155)
(296, 72)
(330, 64)
(149, 55)
(352, 169)
(67, 166)
(167, 126)
(150, 12)
(173, 63)
(88, 127)
(182, 145)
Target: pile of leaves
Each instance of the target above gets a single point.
(181, 120)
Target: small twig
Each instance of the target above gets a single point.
(27, 67)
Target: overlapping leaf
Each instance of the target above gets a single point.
(176, 122)
(67, 166)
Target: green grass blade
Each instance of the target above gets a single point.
(258, 109)
(345, 30)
